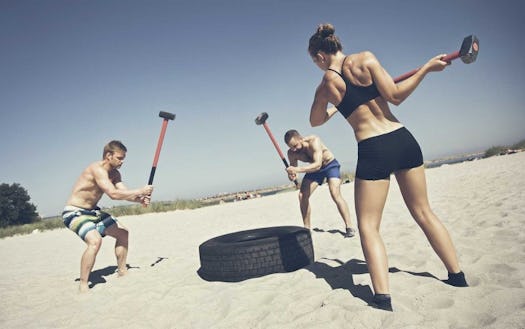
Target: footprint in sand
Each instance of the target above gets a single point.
(473, 281)
(504, 275)
(481, 320)
(441, 303)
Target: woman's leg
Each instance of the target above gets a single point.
(370, 198)
(412, 184)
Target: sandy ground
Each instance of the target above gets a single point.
(482, 203)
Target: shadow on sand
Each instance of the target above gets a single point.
(98, 276)
(319, 230)
(341, 277)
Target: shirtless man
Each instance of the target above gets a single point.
(83, 216)
(321, 164)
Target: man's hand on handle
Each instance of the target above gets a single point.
(145, 196)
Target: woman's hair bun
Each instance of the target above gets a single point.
(325, 30)
(325, 40)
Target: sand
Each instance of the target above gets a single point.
(481, 202)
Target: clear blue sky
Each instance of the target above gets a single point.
(76, 74)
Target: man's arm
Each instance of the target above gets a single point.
(117, 190)
(292, 159)
(143, 198)
(317, 155)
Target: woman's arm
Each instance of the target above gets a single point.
(397, 93)
(319, 113)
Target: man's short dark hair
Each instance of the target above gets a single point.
(112, 147)
(290, 134)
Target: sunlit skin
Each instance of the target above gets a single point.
(98, 178)
(311, 150)
(371, 119)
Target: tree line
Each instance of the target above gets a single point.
(15, 206)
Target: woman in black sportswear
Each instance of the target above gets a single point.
(361, 89)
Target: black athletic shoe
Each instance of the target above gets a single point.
(350, 232)
(382, 302)
(456, 279)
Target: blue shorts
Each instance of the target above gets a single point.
(382, 155)
(331, 170)
(82, 221)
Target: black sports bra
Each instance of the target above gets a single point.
(354, 95)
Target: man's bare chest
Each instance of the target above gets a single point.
(304, 156)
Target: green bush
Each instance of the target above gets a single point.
(495, 150)
(15, 208)
(161, 206)
(40, 225)
(519, 146)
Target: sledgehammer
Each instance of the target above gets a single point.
(166, 116)
(468, 54)
(261, 120)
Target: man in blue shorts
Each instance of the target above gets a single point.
(321, 165)
(82, 215)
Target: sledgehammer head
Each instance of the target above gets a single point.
(469, 49)
(166, 115)
(261, 118)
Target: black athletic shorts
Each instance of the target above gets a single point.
(380, 156)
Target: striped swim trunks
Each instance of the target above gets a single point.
(82, 221)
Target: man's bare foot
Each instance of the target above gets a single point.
(83, 287)
(350, 232)
(122, 272)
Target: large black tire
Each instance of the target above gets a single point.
(249, 254)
